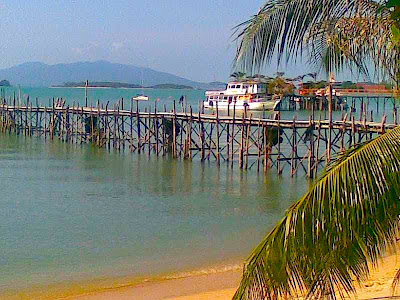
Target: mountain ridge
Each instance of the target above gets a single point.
(39, 74)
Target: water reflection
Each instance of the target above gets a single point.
(69, 211)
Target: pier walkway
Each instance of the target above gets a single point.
(239, 140)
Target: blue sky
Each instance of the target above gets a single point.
(189, 38)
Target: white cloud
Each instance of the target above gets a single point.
(116, 46)
(93, 47)
(78, 51)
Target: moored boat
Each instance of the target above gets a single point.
(141, 98)
(251, 95)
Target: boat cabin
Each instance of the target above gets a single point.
(239, 91)
(241, 88)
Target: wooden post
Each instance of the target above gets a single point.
(156, 126)
(294, 141)
(279, 145)
(86, 92)
(174, 133)
(45, 122)
(266, 147)
(139, 145)
(131, 125)
(233, 131)
(318, 144)
(241, 143)
(343, 131)
(258, 145)
(353, 131)
(190, 133)
(248, 132)
(310, 172)
(201, 129)
(330, 124)
(218, 134)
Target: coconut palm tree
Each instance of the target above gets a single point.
(350, 216)
(332, 33)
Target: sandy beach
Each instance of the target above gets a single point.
(222, 286)
(219, 286)
(212, 286)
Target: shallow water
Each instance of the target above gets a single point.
(72, 212)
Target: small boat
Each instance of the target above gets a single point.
(141, 98)
(250, 95)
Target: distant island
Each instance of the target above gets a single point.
(102, 84)
(5, 83)
(171, 86)
(109, 84)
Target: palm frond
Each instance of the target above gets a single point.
(355, 42)
(396, 281)
(326, 240)
(281, 27)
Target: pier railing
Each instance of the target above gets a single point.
(238, 140)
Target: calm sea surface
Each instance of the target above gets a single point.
(164, 99)
(72, 212)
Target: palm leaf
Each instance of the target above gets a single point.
(355, 42)
(326, 240)
(283, 27)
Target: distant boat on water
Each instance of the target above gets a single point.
(141, 97)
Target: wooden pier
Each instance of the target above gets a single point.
(239, 140)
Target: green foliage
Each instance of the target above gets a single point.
(280, 86)
(396, 33)
(387, 85)
(324, 243)
(349, 85)
(315, 85)
(239, 76)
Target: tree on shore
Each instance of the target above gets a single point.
(280, 85)
(350, 216)
(239, 76)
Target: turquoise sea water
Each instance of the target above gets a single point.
(164, 99)
(76, 212)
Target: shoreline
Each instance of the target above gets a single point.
(186, 287)
(174, 284)
(223, 286)
(219, 285)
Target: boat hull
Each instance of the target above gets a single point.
(241, 105)
(141, 98)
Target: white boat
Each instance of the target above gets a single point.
(250, 95)
(141, 98)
